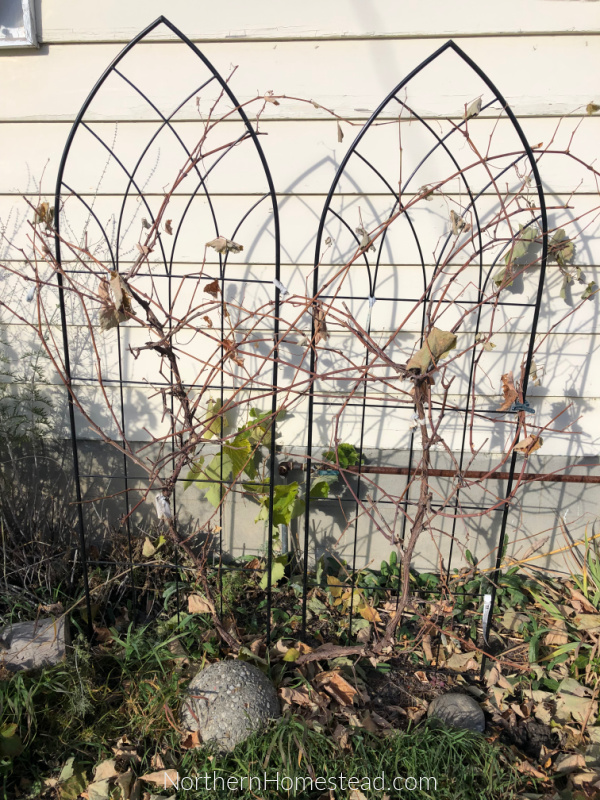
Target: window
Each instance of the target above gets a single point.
(17, 24)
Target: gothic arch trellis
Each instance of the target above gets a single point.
(115, 247)
(114, 244)
(361, 261)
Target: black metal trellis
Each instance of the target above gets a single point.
(113, 254)
(484, 278)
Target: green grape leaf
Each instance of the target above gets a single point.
(319, 489)
(212, 410)
(590, 289)
(278, 565)
(196, 469)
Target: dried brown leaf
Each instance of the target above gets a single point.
(340, 133)
(321, 334)
(169, 227)
(342, 736)
(459, 225)
(213, 288)
(509, 391)
(337, 686)
(199, 605)
(165, 778)
(369, 613)
(529, 445)
(105, 770)
(190, 741)
(569, 762)
(492, 676)
(297, 697)
(592, 108)
(437, 347)
(44, 214)
(223, 245)
(528, 769)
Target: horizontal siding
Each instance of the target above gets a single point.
(299, 50)
(119, 20)
(350, 77)
(29, 161)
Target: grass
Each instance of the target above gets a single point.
(463, 765)
(82, 707)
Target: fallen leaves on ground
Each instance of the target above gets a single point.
(337, 686)
(197, 604)
(165, 778)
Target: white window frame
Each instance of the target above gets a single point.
(30, 36)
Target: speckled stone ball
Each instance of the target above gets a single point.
(227, 702)
(458, 711)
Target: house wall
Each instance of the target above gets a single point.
(543, 55)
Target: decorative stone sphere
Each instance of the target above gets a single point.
(458, 711)
(228, 701)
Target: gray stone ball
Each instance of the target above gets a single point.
(227, 702)
(458, 711)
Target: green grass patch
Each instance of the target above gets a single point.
(293, 755)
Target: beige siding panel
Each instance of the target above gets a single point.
(351, 77)
(391, 432)
(299, 221)
(62, 20)
(569, 384)
(30, 156)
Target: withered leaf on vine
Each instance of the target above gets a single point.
(365, 240)
(459, 225)
(232, 352)
(44, 214)
(321, 334)
(340, 133)
(560, 248)
(115, 301)
(212, 288)
(509, 391)
(169, 227)
(590, 289)
(120, 293)
(592, 108)
(436, 348)
(533, 374)
(222, 245)
(482, 338)
(473, 109)
(529, 445)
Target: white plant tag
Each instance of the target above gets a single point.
(163, 509)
